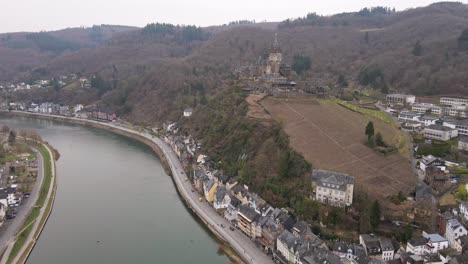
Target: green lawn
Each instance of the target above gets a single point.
(368, 112)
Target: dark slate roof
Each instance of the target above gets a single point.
(327, 178)
(235, 202)
(220, 193)
(248, 212)
(423, 192)
(317, 255)
(285, 220)
(439, 128)
(419, 241)
(409, 114)
(5, 191)
(300, 227)
(386, 244)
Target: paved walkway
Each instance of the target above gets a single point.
(236, 239)
(9, 228)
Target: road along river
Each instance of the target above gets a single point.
(114, 203)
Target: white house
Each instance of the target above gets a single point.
(333, 188)
(454, 230)
(417, 246)
(188, 112)
(439, 132)
(221, 199)
(430, 160)
(435, 243)
(400, 99)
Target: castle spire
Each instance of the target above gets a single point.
(275, 48)
(276, 44)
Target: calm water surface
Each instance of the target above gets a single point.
(114, 203)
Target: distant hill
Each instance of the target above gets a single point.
(158, 70)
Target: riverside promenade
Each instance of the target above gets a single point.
(245, 248)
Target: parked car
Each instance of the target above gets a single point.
(222, 226)
(232, 228)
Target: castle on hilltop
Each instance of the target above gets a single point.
(272, 76)
(271, 70)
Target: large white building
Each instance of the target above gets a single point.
(454, 101)
(439, 132)
(400, 99)
(426, 107)
(333, 188)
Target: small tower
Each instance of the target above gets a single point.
(274, 59)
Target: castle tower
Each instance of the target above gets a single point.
(274, 59)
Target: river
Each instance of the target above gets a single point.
(114, 203)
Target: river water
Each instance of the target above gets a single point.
(114, 203)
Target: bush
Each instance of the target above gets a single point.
(301, 64)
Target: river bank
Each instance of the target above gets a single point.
(19, 249)
(239, 243)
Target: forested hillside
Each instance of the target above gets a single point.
(153, 73)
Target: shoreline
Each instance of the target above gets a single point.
(18, 251)
(233, 253)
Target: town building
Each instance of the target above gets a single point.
(442, 221)
(428, 120)
(463, 210)
(405, 116)
(348, 251)
(437, 178)
(222, 199)
(246, 217)
(188, 112)
(435, 243)
(439, 132)
(454, 101)
(461, 126)
(209, 188)
(454, 230)
(375, 247)
(400, 99)
(463, 143)
(429, 160)
(332, 188)
(425, 108)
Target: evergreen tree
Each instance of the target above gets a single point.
(379, 140)
(375, 215)
(342, 81)
(370, 130)
(301, 64)
(417, 50)
(11, 137)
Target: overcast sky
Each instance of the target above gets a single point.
(37, 15)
